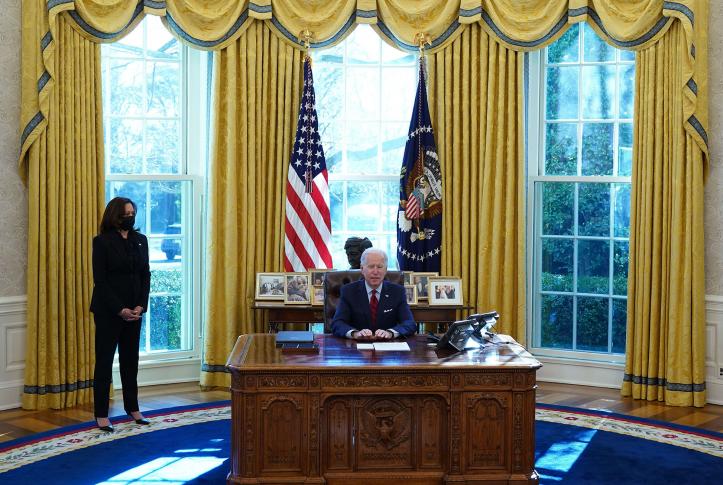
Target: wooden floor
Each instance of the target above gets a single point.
(16, 423)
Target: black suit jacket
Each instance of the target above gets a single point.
(352, 311)
(118, 283)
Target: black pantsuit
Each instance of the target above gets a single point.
(122, 278)
(112, 332)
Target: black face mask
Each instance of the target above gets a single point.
(127, 223)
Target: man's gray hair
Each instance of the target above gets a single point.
(369, 251)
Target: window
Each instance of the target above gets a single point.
(364, 97)
(579, 166)
(155, 154)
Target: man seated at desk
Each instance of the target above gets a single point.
(371, 307)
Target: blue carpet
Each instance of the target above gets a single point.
(198, 453)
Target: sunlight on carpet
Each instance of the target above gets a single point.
(169, 470)
(559, 458)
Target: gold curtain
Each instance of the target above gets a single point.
(666, 283)
(65, 194)
(475, 93)
(257, 85)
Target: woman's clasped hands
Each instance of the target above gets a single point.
(131, 315)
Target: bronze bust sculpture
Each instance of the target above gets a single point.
(354, 248)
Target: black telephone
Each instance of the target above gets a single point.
(459, 336)
(470, 333)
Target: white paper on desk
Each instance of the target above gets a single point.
(391, 346)
(365, 346)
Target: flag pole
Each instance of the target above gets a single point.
(306, 35)
(420, 38)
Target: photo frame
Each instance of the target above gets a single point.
(317, 294)
(408, 277)
(420, 281)
(317, 276)
(297, 288)
(445, 290)
(270, 286)
(411, 292)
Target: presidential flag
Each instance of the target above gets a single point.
(308, 221)
(419, 221)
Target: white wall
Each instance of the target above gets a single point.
(13, 234)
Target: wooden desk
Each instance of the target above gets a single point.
(280, 314)
(360, 417)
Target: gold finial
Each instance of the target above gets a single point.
(305, 36)
(422, 38)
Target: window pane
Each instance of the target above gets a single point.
(363, 46)
(556, 328)
(594, 210)
(165, 322)
(163, 87)
(338, 255)
(165, 206)
(363, 206)
(566, 48)
(398, 91)
(125, 148)
(362, 93)
(621, 218)
(394, 139)
(390, 205)
(162, 150)
(557, 264)
(558, 201)
(627, 55)
(561, 93)
(625, 149)
(159, 41)
(620, 316)
(126, 93)
(593, 267)
(620, 267)
(561, 149)
(597, 148)
(594, 48)
(362, 145)
(336, 205)
(627, 91)
(592, 324)
(598, 92)
(395, 57)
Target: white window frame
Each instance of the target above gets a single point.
(535, 153)
(335, 177)
(193, 152)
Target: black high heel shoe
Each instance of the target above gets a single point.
(108, 429)
(143, 421)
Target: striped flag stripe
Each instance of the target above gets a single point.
(321, 218)
(305, 229)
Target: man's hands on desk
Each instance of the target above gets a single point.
(367, 334)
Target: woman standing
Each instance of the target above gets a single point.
(122, 282)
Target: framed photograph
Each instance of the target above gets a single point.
(445, 290)
(317, 294)
(297, 288)
(317, 276)
(269, 286)
(420, 281)
(411, 291)
(407, 277)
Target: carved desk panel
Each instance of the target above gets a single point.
(346, 416)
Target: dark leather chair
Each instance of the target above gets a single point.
(334, 280)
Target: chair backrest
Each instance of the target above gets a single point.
(334, 280)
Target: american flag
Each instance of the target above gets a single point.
(308, 221)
